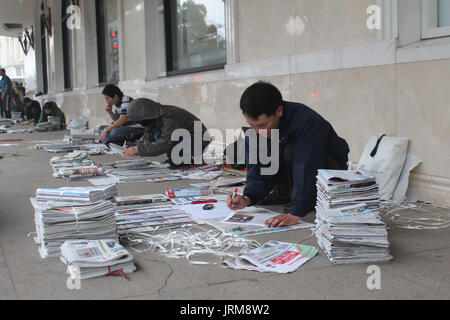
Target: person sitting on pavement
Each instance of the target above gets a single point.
(32, 111)
(308, 143)
(51, 109)
(122, 129)
(160, 122)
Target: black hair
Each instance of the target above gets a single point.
(3, 70)
(27, 100)
(111, 90)
(49, 105)
(261, 98)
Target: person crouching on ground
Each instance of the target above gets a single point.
(122, 129)
(160, 122)
(307, 143)
(32, 111)
(51, 109)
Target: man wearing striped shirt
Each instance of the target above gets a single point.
(121, 129)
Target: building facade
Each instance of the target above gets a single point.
(370, 67)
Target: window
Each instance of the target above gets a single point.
(195, 35)
(67, 46)
(108, 40)
(435, 18)
(444, 13)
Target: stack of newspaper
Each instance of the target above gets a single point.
(150, 217)
(80, 137)
(140, 170)
(57, 146)
(137, 200)
(53, 124)
(90, 259)
(94, 148)
(57, 222)
(77, 194)
(348, 226)
(78, 171)
(74, 159)
(273, 256)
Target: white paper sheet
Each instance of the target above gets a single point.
(220, 210)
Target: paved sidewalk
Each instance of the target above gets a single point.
(420, 270)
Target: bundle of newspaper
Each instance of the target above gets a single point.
(348, 226)
(94, 148)
(338, 188)
(137, 200)
(74, 159)
(91, 259)
(140, 170)
(77, 194)
(77, 172)
(53, 124)
(57, 146)
(80, 137)
(57, 222)
(273, 256)
(150, 217)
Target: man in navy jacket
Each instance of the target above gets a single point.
(307, 143)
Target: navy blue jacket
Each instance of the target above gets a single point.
(315, 140)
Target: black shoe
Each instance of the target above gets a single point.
(279, 195)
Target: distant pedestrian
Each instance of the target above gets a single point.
(6, 93)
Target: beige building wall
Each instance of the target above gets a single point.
(270, 28)
(320, 53)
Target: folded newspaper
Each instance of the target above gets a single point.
(77, 194)
(90, 259)
(144, 199)
(278, 257)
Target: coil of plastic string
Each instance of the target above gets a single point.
(191, 241)
(419, 216)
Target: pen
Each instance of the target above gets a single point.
(204, 202)
(125, 144)
(234, 194)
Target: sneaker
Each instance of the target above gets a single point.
(279, 195)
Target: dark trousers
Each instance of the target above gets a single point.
(287, 170)
(121, 134)
(6, 107)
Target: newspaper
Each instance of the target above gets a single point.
(90, 259)
(250, 216)
(273, 256)
(77, 194)
(144, 199)
(150, 217)
(348, 225)
(57, 222)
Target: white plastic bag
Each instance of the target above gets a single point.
(78, 123)
(384, 158)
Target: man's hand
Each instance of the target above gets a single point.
(104, 134)
(130, 152)
(109, 108)
(283, 220)
(238, 202)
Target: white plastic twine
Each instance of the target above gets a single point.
(420, 216)
(185, 243)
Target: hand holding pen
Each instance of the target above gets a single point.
(237, 202)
